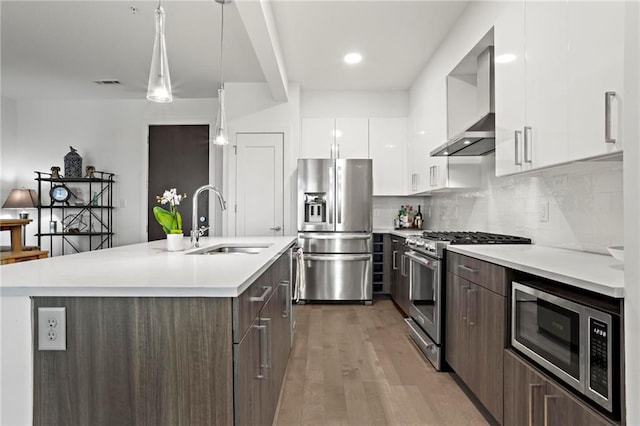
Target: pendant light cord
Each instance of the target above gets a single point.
(221, 51)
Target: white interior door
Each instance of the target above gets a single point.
(259, 184)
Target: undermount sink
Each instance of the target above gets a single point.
(232, 249)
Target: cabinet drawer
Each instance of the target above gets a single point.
(247, 306)
(485, 274)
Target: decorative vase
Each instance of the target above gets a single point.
(174, 242)
(72, 164)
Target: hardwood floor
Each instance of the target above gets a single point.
(355, 365)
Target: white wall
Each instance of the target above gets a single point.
(352, 104)
(250, 108)
(631, 135)
(111, 135)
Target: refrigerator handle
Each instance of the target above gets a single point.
(330, 213)
(339, 193)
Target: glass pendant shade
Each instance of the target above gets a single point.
(220, 136)
(159, 89)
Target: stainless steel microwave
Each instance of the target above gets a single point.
(572, 341)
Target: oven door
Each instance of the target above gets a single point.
(548, 329)
(424, 285)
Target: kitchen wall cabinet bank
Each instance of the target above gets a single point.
(476, 303)
(381, 139)
(570, 55)
(167, 360)
(531, 398)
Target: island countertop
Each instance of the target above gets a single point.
(144, 270)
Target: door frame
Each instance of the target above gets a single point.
(216, 157)
(289, 165)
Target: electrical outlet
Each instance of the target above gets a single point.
(52, 329)
(544, 211)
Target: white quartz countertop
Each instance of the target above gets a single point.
(399, 232)
(599, 273)
(144, 270)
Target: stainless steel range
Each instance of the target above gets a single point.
(426, 283)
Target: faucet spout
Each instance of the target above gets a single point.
(196, 232)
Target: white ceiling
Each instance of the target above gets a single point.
(56, 49)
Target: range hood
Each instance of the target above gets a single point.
(478, 139)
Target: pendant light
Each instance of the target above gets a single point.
(159, 89)
(220, 136)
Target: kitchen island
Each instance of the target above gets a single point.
(153, 337)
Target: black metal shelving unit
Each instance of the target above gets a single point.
(78, 218)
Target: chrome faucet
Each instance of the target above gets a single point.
(196, 232)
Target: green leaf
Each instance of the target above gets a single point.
(164, 218)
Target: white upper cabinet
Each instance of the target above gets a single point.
(509, 88)
(317, 137)
(387, 149)
(335, 138)
(352, 138)
(552, 105)
(596, 64)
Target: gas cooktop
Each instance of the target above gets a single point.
(433, 243)
(458, 237)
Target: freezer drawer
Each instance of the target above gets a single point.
(338, 277)
(335, 242)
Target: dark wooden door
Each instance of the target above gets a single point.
(523, 393)
(457, 335)
(486, 343)
(178, 158)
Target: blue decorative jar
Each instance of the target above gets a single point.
(72, 164)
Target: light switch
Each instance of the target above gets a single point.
(544, 211)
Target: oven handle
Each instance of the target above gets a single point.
(425, 261)
(345, 257)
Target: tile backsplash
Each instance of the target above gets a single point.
(578, 206)
(385, 209)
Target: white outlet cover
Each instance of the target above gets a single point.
(52, 329)
(544, 211)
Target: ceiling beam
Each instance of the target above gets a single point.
(258, 21)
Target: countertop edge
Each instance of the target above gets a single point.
(615, 292)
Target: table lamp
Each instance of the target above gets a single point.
(21, 199)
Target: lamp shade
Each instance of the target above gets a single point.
(20, 199)
(159, 88)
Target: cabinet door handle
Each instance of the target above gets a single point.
(394, 262)
(517, 137)
(608, 125)
(532, 386)
(467, 269)
(547, 399)
(473, 309)
(465, 305)
(435, 175)
(286, 284)
(262, 329)
(527, 144)
(417, 181)
(266, 290)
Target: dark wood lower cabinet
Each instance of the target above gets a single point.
(137, 361)
(535, 400)
(165, 361)
(475, 338)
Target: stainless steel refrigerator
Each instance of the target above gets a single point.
(334, 228)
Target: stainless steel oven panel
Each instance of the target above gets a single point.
(430, 350)
(335, 242)
(606, 402)
(432, 266)
(338, 277)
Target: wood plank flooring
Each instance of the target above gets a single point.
(356, 365)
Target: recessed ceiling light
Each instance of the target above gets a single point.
(445, 153)
(353, 58)
(467, 142)
(503, 59)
